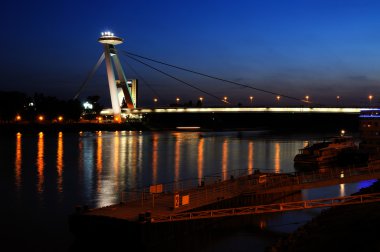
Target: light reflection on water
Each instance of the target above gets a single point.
(66, 169)
(110, 162)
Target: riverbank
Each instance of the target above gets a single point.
(69, 127)
(344, 228)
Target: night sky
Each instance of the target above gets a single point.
(317, 48)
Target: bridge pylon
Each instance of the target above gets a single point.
(123, 92)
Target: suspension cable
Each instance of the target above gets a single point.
(177, 79)
(214, 77)
(89, 76)
(143, 80)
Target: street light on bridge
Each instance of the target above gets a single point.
(251, 99)
(225, 98)
(337, 100)
(177, 100)
(155, 100)
(278, 98)
(307, 98)
(370, 97)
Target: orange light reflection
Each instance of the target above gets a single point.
(18, 160)
(60, 161)
(177, 156)
(99, 161)
(250, 157)
(277, 165)
(224, 159)
(116, 152)
(200, 159)
(154, 157)
(40, 162)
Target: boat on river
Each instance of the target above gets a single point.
(337, 151)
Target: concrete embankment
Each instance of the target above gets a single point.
(344, 228)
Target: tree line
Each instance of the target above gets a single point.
(16, 106)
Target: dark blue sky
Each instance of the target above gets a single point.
(316, 48)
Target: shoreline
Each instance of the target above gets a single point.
(343, 228)
(138, 126)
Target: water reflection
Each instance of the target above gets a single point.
(342, 190)
(60, 162)
(224, 159)
(277, 160)
(115, 163)
(177, 155)
(250, 157)
(99, 162)
(111, 162)
(155, 139)
(40, 162)
(200, 159)
(18, 161)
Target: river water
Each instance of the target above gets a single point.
(43, 176)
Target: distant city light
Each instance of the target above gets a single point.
(87, 105)
(40, 118)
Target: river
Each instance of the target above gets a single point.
(43, 176)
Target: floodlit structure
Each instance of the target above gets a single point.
(123, 92)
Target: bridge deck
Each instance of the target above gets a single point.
(185, 196)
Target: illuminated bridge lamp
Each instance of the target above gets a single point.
(18, 118)
(278, 98)
(60, 118)
(307, 98)
(40, 118)
(177, 100)
(121, 89)
(201, 99)
(251, 99)
(370, 97)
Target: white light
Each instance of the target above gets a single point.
(87, 105)
(112, 34)
(102, 33)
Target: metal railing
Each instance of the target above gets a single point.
(230, 184)
(271, 208)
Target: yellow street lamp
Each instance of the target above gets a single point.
(251, 99)
(225, 98)
(177, 99)
(201, 99)
(307, 98)
(278, 98)
(370, 97)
